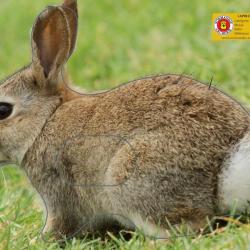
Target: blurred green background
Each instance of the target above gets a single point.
(119, 41)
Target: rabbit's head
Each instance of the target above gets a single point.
(29, 97)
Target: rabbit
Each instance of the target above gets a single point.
(160, 150)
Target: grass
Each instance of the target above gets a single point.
(120, 41)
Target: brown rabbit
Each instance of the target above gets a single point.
(156, 150)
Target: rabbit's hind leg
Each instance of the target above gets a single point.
(150, 192)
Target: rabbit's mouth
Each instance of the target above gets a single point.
(4, 163)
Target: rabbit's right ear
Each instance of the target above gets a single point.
(53, 40)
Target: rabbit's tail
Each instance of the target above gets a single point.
(234, 181)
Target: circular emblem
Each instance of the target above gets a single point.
(223, 25)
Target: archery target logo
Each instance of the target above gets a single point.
(223, 25)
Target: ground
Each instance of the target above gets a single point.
(118, 42)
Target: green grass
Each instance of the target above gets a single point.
(118, 42)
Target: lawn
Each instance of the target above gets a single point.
(120, 41)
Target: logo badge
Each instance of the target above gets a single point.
(223, 25)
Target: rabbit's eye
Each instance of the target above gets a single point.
(5, 110)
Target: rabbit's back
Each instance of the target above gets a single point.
(180, 107)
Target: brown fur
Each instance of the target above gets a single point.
(153, 147)
(170, 168)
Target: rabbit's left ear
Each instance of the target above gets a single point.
(53, 39)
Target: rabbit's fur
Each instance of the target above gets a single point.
(146, 152)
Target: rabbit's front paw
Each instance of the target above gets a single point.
(60, 228)
(49, 227)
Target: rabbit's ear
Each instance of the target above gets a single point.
(71, 12)
(53, 39)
